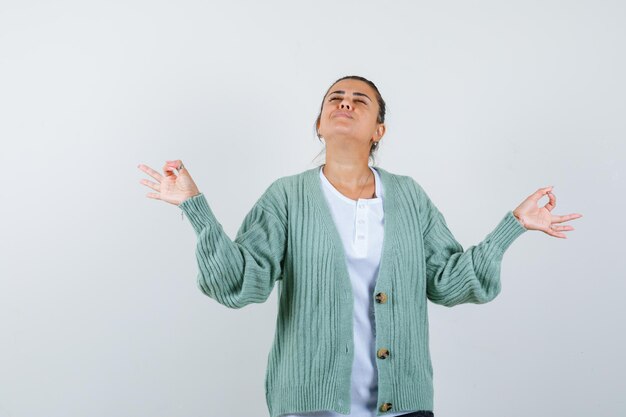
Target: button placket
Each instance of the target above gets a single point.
(361, 228)
(383, 353)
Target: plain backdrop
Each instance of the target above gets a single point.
(488, 101)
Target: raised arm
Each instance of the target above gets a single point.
(237, 273)
(234, 273)
(455, 276)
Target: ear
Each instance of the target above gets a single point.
(380, 130)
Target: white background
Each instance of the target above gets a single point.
(487, 101)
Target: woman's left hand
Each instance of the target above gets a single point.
(541, 218)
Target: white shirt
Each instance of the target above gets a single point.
(360, 224)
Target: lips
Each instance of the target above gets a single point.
(342, 114)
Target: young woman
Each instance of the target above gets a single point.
(357, 251)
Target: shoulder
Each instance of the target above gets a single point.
(282, 187)
(277, 195)
(411, 193)
(405, 183)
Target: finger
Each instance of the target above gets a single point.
(562, 228)
(536, 196)
(150, 172)
(566, 217)
(551, 204)
(155, 196)
(168, 170)
(151, 184)
(557, 231)
(176, 163)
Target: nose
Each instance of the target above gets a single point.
(345, 104)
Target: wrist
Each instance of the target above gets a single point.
(188, 196)
(520, 219)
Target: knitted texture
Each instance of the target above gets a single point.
(289, 238)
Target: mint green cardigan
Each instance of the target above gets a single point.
(289, 238)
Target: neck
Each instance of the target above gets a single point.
(348, 174)
(347, 162)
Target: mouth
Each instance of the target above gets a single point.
(342, 114)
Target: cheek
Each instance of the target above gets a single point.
(324, 116)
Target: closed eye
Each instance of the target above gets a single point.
(341, 98)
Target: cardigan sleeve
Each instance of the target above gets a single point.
(454, 275)
(237, 273)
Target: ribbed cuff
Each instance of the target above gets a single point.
(506, 231)
(198, 212)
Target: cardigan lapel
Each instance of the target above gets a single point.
(389, 208)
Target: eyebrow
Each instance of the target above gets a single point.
(354, 94)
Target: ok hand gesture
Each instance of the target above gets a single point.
(170, 187)
(541, 218)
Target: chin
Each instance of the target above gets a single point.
(340, 133)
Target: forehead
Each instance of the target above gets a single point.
(350, 86)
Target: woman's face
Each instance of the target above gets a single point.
(350, 110)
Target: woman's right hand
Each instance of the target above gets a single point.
(170, 187)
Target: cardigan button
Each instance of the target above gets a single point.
(381, 298)
(382, 353)
(385, 407)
